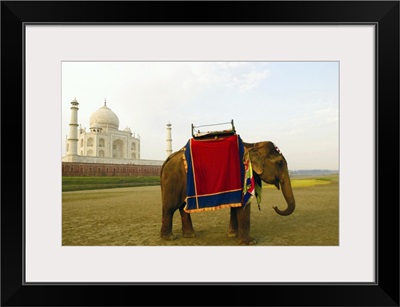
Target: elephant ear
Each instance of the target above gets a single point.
(257, 162)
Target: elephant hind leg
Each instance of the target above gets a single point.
(187, 226)
(166, 225)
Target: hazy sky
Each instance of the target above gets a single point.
(293, 104)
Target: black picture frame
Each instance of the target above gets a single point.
(383, 14)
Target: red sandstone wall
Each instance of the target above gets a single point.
(95, 169)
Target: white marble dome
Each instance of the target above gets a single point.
(104, 118)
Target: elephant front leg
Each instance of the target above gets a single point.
(243, 219)
(166, 225)
(233, 223)
(187, 226)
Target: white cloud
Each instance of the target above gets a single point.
(233, 75)
(249, 80)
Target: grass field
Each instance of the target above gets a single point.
(70, 183)
(131, 216)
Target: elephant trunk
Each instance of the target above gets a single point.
(289, 197)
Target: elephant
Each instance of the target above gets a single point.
(267, 162)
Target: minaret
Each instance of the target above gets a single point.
(169, 140)
(72, 148)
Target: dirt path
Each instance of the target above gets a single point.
(132, 217)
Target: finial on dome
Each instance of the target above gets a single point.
(105, 102)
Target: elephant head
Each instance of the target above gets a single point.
(271, 166)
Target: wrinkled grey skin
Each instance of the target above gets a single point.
(267, 163)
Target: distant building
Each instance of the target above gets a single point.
(169, 140)
(104, 143)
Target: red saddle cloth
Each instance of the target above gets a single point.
(215, 173)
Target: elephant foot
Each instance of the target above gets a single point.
(232, 234)
(248, 241)
(168, 237)
(191, 234)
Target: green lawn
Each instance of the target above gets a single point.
(109, 182)
(106, 182)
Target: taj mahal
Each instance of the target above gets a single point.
(104, 143)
